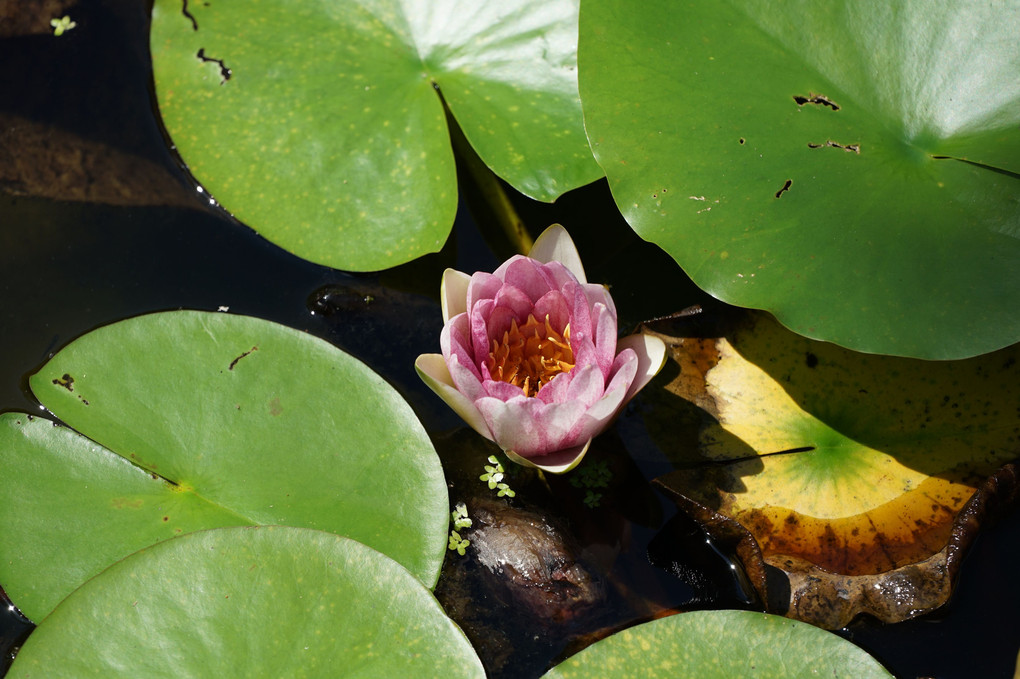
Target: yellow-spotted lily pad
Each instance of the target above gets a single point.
(721, 645)
(250, 602)
(855, 475)
(323, 125)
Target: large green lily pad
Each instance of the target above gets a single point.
(250, 602)
(840, 467)
(852, 167)
(721, 645)
(200, 420)
(320, 124)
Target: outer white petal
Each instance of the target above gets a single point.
(555, 463)
(432, 370)
(453, 293)
(651, 353)
(555, 245)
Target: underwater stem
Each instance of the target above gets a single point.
(489, 186)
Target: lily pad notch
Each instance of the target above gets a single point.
(864, 183)
(321, 127)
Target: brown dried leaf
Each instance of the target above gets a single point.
(850, 473)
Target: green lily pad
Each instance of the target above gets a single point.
(851, 167)
(320, 124)
(201, 420)
(250, 602)
(838, 467)
(722, 644)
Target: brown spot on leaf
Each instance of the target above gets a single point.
(274, 407)
(67, 382)
(142, 463)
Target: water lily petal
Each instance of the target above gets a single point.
(555, 390)
(516, 300)
(555, 245)
(504, 391)
(651, 354)
(553, 305)
(617, 392)
(478, 317)
(604, 322)
(582, 340)
(453, 293)
(601, 414)
(585, 384)
(431, 368)
(528, 426)
(580, 315)
(465, 378)
(455, 340)
(599, 294)
(527, 275)
(498, 323)
(558, 462)
(598, 418)
(482, 286)
(559, 277)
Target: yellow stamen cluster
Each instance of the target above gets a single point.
(531, 355)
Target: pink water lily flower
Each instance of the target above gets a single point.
(530, 355)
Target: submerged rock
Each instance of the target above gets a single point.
(521, 592)
(531, 563)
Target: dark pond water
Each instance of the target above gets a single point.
(76, 121)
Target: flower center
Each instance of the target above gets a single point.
(530, 355)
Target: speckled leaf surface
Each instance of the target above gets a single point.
(201, 420)
(721, 645)
(850, 166)
(250, 602)
(849, 463)
(321, 124)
